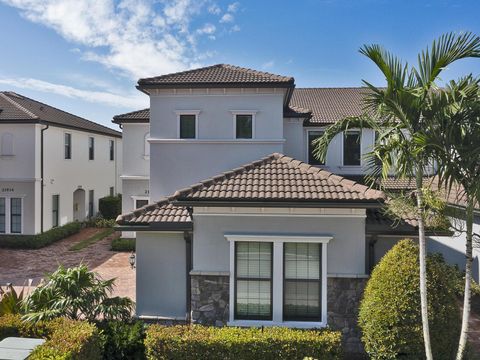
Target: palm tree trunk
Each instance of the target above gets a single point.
(468, 280)
(423, 263)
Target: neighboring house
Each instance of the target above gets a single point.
(54, 166)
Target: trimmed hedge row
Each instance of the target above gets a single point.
(66, 339)
(40, 240)
(229, 343)
(123, 244)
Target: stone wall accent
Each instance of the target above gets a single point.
(343, 300)
(210, 299)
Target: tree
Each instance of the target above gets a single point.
(76, 293)
(456, 145)
(398, 114)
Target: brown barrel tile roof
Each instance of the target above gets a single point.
(329, 105)
(16, 108)
(160, 212)
(138, 116)
(220, 74)
(279, 178)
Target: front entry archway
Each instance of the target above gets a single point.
(79, 211)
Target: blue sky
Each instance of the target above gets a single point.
(85, 56)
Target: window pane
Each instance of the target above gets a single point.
(313, 135)
(91, 203)
(2, 215)
(244, 126)
(68, 146)
(351, 148)
(187, 126)
(302, 281)
(112, 150)
(253, 274)
(91, 148)
(55, 208)
(140, 203)
(15, 215)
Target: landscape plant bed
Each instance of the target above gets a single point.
(92, 239)
(123, 244)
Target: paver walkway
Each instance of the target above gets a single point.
(17, 266)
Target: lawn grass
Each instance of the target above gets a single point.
(92, 239)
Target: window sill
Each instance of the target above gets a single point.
(291, 324)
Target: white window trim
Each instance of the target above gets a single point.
(243, 112)
(71, 147)
(343, 149)
(187, 112)
(8, 214)
(277, 279)
(138, 197)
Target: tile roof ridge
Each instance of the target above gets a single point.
(131, 113)
(17, 105)
(180, 72)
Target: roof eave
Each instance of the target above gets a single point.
(154, 226)
(144, 86)
(280, 203)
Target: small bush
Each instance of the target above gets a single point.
(123, 340)
(40, 240)
(390, 316)
(110, 207)
(228, 343)
(123, 244)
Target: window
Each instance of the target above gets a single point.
(244, 126)
(312, 136)
(188, 126)
(351, 148)
(91, 208)
(140, 203)
(7, 144)
(112, 150)
(15, 215)
(3, 213)
(91, 148)
(68, 146)
(253, 280)
(302, 282)
(112, 191)
(55, 208)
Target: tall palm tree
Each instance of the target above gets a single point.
(455, 143)
(398, 113)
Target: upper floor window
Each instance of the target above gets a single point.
(351, 148)
(188, 126)
(68, 146)
(243, 126)
(91, 148)
(7, 144)
(112, 149)
(312, 136)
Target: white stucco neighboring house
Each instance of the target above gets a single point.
(54, 166)
(244, 226)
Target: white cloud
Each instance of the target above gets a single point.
(227, 18)
(233, 7)
(133, 100)
(139, 38)
(207, 29)
(268, 65)
(214, 9)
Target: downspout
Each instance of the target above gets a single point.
(41, 177)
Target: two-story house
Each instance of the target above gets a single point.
(54, 166)
(244, 226)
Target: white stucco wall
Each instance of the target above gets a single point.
(22, 164)
(135, 161)
(161, 275)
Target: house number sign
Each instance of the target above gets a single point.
(8, 190)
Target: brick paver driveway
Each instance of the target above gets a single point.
(17, 266)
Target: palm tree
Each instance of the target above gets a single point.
(455, 143)
(398, 113)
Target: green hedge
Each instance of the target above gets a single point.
(123, 244)
(123, 340)
(40, 240)
(110, 207)
(229, 343)
(66, 339)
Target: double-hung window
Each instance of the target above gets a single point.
(351, 148)
(15, 215)
(243, 126)
(68, 146)
(188, 126)
(253, 280)
(311, 137)
(3, 214)
(91, 148)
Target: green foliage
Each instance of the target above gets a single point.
(76, 293)
(10, 300)
(123, 340)
(100, 222)
(40, 240)
(229, 343)
(92, 239)
(390, 316)
(110, 207)
(123, 244)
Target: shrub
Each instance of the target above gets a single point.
(110, 207)
(123, 244)
(10, 300)
(228, 343)
(40, 240)
(123, 340)
(390, 316)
